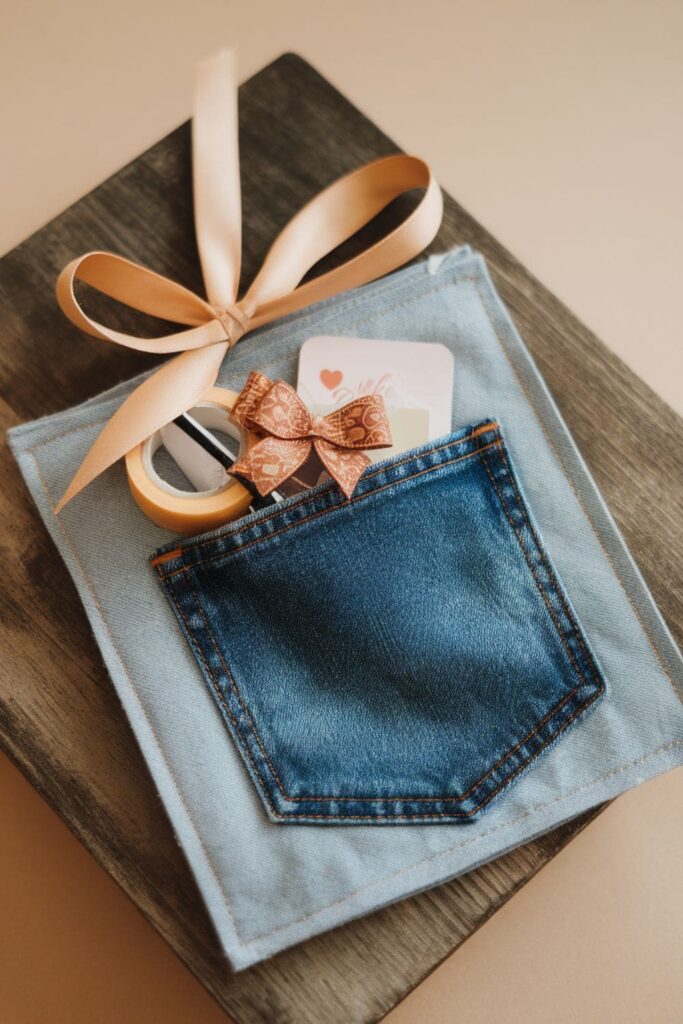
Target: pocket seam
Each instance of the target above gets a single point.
(488, 426)
(542, 588)
(589, 678)
(380, 816)
(363, 799)
(332, 508)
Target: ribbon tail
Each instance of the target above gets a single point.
(271, 461)
(173, 389)
(343, 465)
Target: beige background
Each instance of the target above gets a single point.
(594, 938)
(559, 126)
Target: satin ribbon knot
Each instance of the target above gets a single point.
(212, 326)
(291, 433)
(235, 321)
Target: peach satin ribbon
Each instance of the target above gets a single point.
(215, 324)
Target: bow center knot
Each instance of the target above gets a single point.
(235, 321)
(318, 426)
(289, 433)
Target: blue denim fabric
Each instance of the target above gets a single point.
(402, 656)
(265, 886)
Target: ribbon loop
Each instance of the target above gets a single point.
(212, 326)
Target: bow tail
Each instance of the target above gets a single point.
(271, 461)
(173, 389)
(343, 465)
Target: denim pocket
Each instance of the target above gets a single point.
(401, 656)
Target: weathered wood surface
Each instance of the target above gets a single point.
(59, 718)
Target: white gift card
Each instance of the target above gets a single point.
(414, 378)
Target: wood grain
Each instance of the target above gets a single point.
(59, 717)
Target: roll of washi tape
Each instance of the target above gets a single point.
(191, 511)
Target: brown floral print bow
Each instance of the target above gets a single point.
(291, 433)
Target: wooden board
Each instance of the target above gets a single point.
(59, 718)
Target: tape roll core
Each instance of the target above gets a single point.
(189, 512)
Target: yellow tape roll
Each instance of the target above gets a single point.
(188, 511)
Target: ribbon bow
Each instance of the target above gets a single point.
(215, 324)
(293, 433)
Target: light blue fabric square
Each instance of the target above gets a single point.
(267, 886)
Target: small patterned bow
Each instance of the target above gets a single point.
(291, 433)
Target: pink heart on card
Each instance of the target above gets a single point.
(331, 378)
